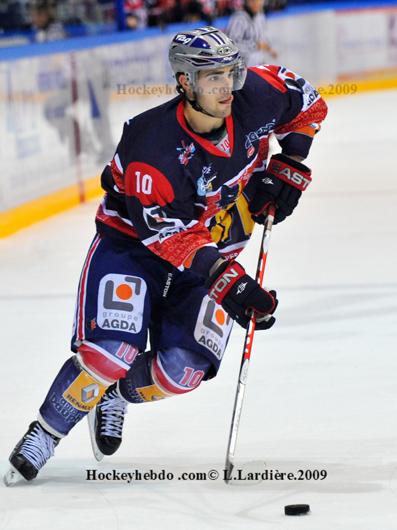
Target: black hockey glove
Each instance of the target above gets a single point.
(281, 184)
(239, 295)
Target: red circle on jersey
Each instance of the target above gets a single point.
(148, 184)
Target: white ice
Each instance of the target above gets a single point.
(322, 386)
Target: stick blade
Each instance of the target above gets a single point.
(248, 473)
(229, 466)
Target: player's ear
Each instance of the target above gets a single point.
(184, 83)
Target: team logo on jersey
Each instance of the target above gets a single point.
(228, 196)
(157, 220)
(204, 182)
(295, 82)
(121, 302)
(185, 153)
(213, 327)
(255, 136)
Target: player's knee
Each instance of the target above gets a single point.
(108, 360)
(167, 373)
(177, 370)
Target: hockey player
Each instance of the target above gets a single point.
(186, 183)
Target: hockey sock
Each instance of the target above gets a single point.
(72, 395)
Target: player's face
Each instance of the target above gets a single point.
(214, 91)
(255, 5)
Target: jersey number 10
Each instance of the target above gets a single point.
(143, 184)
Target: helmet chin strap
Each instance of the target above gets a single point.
(194, 103)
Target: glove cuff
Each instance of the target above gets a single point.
(291, 171)
(223, 279)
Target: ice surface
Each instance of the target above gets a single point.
(322, 391)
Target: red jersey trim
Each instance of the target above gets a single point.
(314, 114)
(270, 77)
(115, 222)
(178, 247)
(80, 317)
(206, 144)
(117, 175)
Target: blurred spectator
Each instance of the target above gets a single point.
(12, 15)
(161, 12)
(135, 14)
(247, 27)
(275, 5)
(227, 7)
(107, 10)
(208, 8)
(52, 19)
(44, 23)
(195, 11)
(79, 11)
(154, 13)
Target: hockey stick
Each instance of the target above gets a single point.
(249, 337)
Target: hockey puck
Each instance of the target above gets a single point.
(296, 509)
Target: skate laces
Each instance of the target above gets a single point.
(38, 447)
(113, 410)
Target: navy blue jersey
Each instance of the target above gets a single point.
(182, 196)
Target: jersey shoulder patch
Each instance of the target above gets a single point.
(148, 184)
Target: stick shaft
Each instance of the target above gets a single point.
(245, 359)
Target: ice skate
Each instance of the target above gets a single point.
(30, 454)
(106, 423)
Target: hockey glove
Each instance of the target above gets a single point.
(281, 184)
(239, 295)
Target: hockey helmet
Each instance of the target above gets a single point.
(205, 48)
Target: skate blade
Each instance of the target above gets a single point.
(91, 426)
(12, 477)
